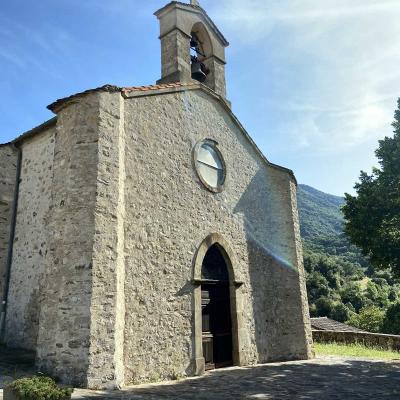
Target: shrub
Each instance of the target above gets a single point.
(324, 306)
(391, 323)
(340, 312)
(369, 319)
(353, 294)
(39, 388)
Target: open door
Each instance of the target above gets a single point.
(216, 311)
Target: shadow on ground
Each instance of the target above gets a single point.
(322, 379)
(326, 378)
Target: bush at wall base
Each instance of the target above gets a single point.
(36, 388)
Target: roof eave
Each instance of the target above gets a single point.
(158, 90)
(60, 103)
(32, 132)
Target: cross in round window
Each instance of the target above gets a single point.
(210, 165)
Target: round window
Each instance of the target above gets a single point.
(210, 165)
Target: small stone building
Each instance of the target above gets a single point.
(143, 235)
(330, 325)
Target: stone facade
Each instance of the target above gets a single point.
(8, 176)
(113, 225)
(30, 240)
(174, 214)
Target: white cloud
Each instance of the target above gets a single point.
(12, 57)
(345, 55)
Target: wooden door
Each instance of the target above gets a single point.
(217, 325)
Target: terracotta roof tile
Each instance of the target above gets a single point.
(157, 87)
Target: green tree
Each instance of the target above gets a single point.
(392, 295)
(353, 294)
(369, 319)
(317, 286)
(391, 323)
(340, 312)
(372, 217)
(379, 295)
(324, 307)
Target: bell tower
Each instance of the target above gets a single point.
(192, 47)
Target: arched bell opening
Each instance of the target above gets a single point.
(201, 39)
(204, 41)
(218, 315)
(201, 50)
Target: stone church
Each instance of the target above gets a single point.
(144, 236)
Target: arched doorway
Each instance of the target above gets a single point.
(216, 310)
(214, 271)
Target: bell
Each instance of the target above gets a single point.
(194, 43)
(197, 72)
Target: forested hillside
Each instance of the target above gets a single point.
(340, 282)
(320, 212)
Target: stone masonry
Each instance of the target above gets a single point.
(65, 316)
(254, 213)
(30, 240)
(8, 174)
(178, 21)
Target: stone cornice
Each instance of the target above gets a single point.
(195, 9)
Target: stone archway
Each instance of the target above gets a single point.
(235, 300)
(205, 43)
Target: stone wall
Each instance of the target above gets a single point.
(8, 172)
(303, 304)
(65, 315)
(30, 240)
(126, 216)
(168, 215)
(106, 355)
(389, 342)
(82, 300)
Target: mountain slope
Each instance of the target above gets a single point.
(321, 224)
(340, 281)
(320, 213)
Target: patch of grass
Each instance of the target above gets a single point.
(354, 350)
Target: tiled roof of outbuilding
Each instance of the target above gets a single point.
(327, 324)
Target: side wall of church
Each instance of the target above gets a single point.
(169, 213)
(8, 173)
(82, 315)
(66, 290)
(30, 240)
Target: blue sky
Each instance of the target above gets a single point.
(314, 82)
